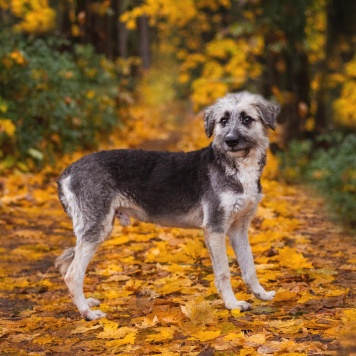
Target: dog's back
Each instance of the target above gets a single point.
(157, 181)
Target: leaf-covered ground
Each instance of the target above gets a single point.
(156, 284)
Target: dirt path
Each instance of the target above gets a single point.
(156, 283)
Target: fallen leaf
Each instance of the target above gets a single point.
(205, 335)
(199, 312)
(282, 296)
(147, 323)
(255, 340)
(164, 333)
(285, 326)
(113, 331)
(127, 339)
(289, 257)
(85, 329)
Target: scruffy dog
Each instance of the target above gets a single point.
(216, 188)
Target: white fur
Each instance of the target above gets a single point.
(75, 280)
(73, 208)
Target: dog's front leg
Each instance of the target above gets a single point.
(238, 235)
(215, 242)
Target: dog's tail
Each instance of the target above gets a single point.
(64, 260)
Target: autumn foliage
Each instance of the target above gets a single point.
(64, 97)
(156, 284)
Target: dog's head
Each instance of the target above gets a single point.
(240, 121)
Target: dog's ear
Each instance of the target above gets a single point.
(209, 121)
(269, 112)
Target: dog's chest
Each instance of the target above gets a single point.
(250, 195)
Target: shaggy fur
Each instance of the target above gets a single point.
(216, 188)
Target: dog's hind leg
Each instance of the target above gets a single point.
(75, 279)
(238, 235)
(215, 242)
(88, 241)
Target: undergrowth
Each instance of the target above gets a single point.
(329, 165)
(53, 100)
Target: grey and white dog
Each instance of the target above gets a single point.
(216, 188)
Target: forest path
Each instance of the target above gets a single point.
(156, 284)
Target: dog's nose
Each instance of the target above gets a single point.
(231, 140)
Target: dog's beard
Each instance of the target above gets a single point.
(240, 150)
(238, 153)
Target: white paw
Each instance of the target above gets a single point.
(265, 295)
(237, 304)
(92, 302)
(93, 314)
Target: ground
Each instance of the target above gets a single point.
(156, 284)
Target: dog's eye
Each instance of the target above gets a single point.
(246, 120)
(224, 121)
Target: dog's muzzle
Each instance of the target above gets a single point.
(236, 143)
(231, 140)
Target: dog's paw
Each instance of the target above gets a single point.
(92, 302)
(265, 295)
(93, 315)
(237, 304)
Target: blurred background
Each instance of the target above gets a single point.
(70, 70)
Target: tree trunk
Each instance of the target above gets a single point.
(286, 63)
(122, 31)
(144, 41)
(64, 23)
(108, 26)
(341, 28)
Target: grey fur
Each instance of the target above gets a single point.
(216, 188)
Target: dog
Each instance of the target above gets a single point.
(216, 188)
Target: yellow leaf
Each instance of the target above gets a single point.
(117, 240)
(289, 257)
(84, 329)
(273, 347)
(173, 284)
(349, 315)
(280, 222)
(112, 269)
(147, 323)
(8, 127)
(43, 340)
(199, 312)
(235, 312)
(115, 294)
(233, 336)
(284, 295)
(205, 335)
(336, 292)
(255, 340)
(113, 331)
(126, 340)
(90, 94)
(306, 297)
(286, 326)
(165, 333)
